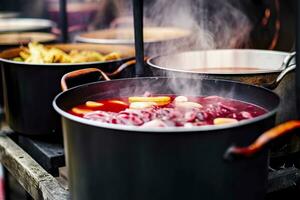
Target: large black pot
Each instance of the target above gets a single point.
(30, 88)
(112, 162)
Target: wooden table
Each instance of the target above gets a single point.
(31, 176)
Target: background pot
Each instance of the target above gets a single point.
(30, 88)
(25, 25)
(10, 40)
(7, 15)
(126, 162)
(263, 68)
(157, 39)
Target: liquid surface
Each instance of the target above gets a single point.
(168, 111)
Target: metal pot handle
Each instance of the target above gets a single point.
(287, 66)
(122, 67)
(235, 152)
(80, 77)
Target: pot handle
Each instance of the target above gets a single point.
(287, 66)
(122, 67)
(235, 152)
(79, 77)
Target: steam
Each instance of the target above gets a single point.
(213, 24)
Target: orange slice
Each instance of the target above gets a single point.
(80, 111)
(219, 121)
(160, 100)
(93, 104)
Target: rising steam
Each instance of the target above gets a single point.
(213, 23)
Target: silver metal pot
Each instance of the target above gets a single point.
(266, 68)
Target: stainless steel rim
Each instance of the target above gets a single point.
(151, 63)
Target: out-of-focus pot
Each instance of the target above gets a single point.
(7, 15)
(10, 40)
(157, 40)
(25, 25)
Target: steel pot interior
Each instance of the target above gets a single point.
(198, 62)
(137, 86)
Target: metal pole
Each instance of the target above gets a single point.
(138, 36)
(298, 57)
(63, 20)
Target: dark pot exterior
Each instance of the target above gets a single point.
(112, 164)
(28, 95)
(29, 90)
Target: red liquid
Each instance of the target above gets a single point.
(169, 115)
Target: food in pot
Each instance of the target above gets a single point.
(39, 54)
(168, 111)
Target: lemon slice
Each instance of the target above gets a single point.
(93, 104)
(219, 121)
(160, 100)
(80, 111)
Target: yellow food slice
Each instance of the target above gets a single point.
(93, 104)
(141, 105)
(181, 99)
(219, 121)
(112, 56)
(118, 102)
(188, 105)
(80, 111)
(160, 100)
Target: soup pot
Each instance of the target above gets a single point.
(30, 88)
(125, 162)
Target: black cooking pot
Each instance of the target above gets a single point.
(30, 88)
(112, 162)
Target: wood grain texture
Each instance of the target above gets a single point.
(33, 178)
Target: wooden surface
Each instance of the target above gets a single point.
(47, 152)
(33, 178)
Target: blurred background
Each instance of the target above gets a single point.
(203, 24)
(264, 24)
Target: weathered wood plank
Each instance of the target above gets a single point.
(35, 180)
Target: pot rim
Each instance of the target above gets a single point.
(114, 41)
(150, 63)
(4, 60)
(165, 129)
(63, 64)
(33, 24)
